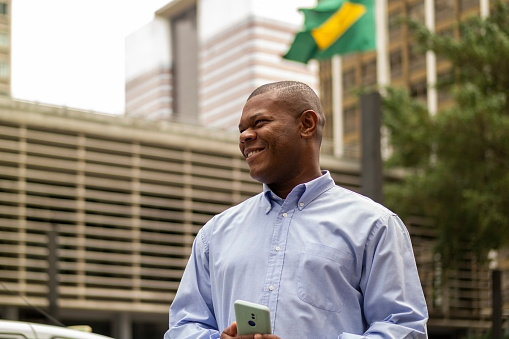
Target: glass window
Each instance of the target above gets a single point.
(466, 5)
(4, 39)
(396, 61)
(417, 57)
(416, 11)
(395, 27)
(419, 90)
(3, 8)
(349, 81)
(369, 73)
(350, 120)
(4, 69)
(444, 10)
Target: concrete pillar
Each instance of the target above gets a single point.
(11, 313)
(371, 159)
(123, 328)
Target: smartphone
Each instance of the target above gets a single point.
(252, 318)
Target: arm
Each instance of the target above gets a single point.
(192, 313)
(394, 303)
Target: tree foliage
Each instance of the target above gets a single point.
(458, 159)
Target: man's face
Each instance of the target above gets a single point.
(270, 140)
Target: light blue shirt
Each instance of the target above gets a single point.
(328, 262)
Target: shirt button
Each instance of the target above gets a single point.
(301, 204)
(271, 288)
(285, 214)
(278, 248)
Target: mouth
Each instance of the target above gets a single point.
(249, 153)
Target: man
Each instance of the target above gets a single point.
(328, 263)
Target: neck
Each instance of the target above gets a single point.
(282, 190)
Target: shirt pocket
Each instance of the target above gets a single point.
(321, 275)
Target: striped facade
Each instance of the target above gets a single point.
(235, 62)
(149, 95)
(122, 200)
(5, 47)
(231, 64)
(149, 75)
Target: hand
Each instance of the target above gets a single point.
(231, 332)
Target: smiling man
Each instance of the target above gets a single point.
(327, 262)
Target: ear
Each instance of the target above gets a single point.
(309, 124)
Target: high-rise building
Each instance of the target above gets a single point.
(397, 61)
(122, 198)
(5, 47)
(198, 60)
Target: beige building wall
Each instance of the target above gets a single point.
(125, 198)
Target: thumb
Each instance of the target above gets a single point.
(233, 328)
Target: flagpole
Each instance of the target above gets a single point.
(431, 62)
(337, 106)
(371, 154)
(485, 8)
(382, 60)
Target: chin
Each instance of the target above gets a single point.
(257, 176)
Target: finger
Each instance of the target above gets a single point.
(233, 328)
(230, 331)
(267, 336)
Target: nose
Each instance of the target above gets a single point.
(247, 135)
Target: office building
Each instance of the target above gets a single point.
(98, 213)
(5, 47)
(198, 60)
(397, 61)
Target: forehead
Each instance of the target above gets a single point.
(262, 103)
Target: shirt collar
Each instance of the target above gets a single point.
(302, 194)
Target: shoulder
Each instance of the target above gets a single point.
(257, 201)
(357, 201)
(362, 211)
(249, 205)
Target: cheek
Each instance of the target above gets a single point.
(286, 144)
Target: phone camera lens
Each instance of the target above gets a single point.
(252, 323)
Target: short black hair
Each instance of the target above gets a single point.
(297, 95)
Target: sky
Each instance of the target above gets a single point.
(71, 52)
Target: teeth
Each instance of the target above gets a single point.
(252, 152)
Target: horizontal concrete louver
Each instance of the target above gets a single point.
(127, 198)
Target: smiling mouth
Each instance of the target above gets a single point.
(253, 153)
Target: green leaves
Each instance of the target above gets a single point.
(458, 160)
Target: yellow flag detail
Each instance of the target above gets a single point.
(330, 31)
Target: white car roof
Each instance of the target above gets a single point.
(20, 329)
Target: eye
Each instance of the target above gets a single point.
(259, 121)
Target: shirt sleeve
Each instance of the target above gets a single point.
(394, 304)
(192, 313)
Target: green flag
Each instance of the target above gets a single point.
(334, 27)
